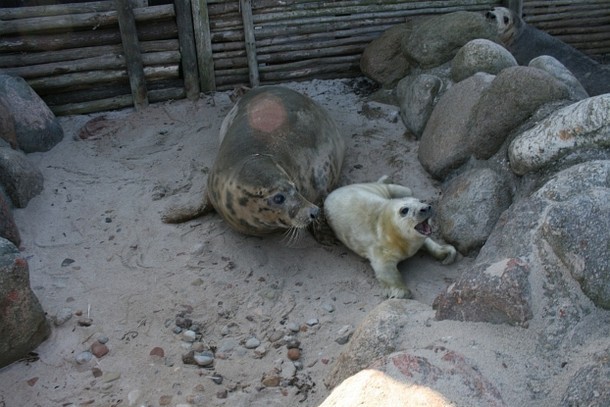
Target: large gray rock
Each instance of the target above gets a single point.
(382, 59)
(8, 228)
(435, 40)
(21, 180)
(498, 293)
(432, 377)
(589, 386)
(561, 73)
(480, 55)
(540, 243)
(584, 124)
(36, 127)
(445, 143)
(7, 125)
(514, 95)
(376, 336)
(23, 325)
(470, 206)
(417, 96)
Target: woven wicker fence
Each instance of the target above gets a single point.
(102, 55)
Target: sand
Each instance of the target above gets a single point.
(95, 243)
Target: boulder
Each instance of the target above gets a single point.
(470, 206)
(36, 127)
(480, 55)
(513, 96)
(382, 59)
(8, 228)
(21, 180)
(435, 40)
(417, 96)
(7, 125)
(589, 386)
(445, 143)
(584, 124)
(562, 74)
(23, 325)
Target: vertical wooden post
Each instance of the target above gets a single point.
(516, 6)
(203, 43)
(187, 48)
(246, 14)
(133, 57)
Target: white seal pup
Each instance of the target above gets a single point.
(385, 224)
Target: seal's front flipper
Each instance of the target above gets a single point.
(322, 232)
(180, 211)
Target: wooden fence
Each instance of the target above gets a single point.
(102, 55)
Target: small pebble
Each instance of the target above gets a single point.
(271, 380)
(157, 351)
(217, 378)
(63, 315)
(298, 364)
(184, 323)
(189, 336)
(177, 330)
(204, 358)
(103, 339)
(291, 342)
(260, 351)
(328, 307)
(252, 343)
(66, 262)
(294, 354)
(84, 357)
(165, 400)
(313, 321)
(85, 321)
(344, 334)
(133, 396)
(293, 326)
(222, 394)
(99, 349)
(97, 372)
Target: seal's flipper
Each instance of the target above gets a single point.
(179, 212)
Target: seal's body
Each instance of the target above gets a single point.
(526, 42)
(280, 155)
(385, 224)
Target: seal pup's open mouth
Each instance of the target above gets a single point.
(424, 228)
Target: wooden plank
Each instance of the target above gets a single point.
(133, 58)
(186, 37)
(246, 12)
(203, 44)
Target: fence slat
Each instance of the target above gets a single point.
(203, 43)
(133, 58)
(246, 12)
(186, 37)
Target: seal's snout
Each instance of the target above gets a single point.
(314, 212)
(490, 15)
(426, 210)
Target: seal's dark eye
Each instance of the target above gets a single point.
(506, 20)
(279, 199)
(403, 211)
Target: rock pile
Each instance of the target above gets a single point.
(524, 157)
(27, 125)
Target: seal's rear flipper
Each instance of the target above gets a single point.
(179, 212)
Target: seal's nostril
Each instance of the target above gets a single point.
(426, 209)
(314, 212)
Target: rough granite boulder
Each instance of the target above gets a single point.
(435, 40)
(584, 124)
(470, 206)
(514, 95)
(7, 125)
(20, 179)
(480, 55)
(417, 96)
(36, 127)
(23, 325)
(589, 386)
(445, 143)
(382, 59)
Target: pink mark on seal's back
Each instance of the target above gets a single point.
(266, 114)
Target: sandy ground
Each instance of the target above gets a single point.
(132, 274)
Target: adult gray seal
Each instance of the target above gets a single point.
(383, 223)
(526, 42)
(280, 155)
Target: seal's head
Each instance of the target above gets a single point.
(507, 23)
(259, 198)
(407, 225)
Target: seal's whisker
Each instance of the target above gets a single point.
(292, 236)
